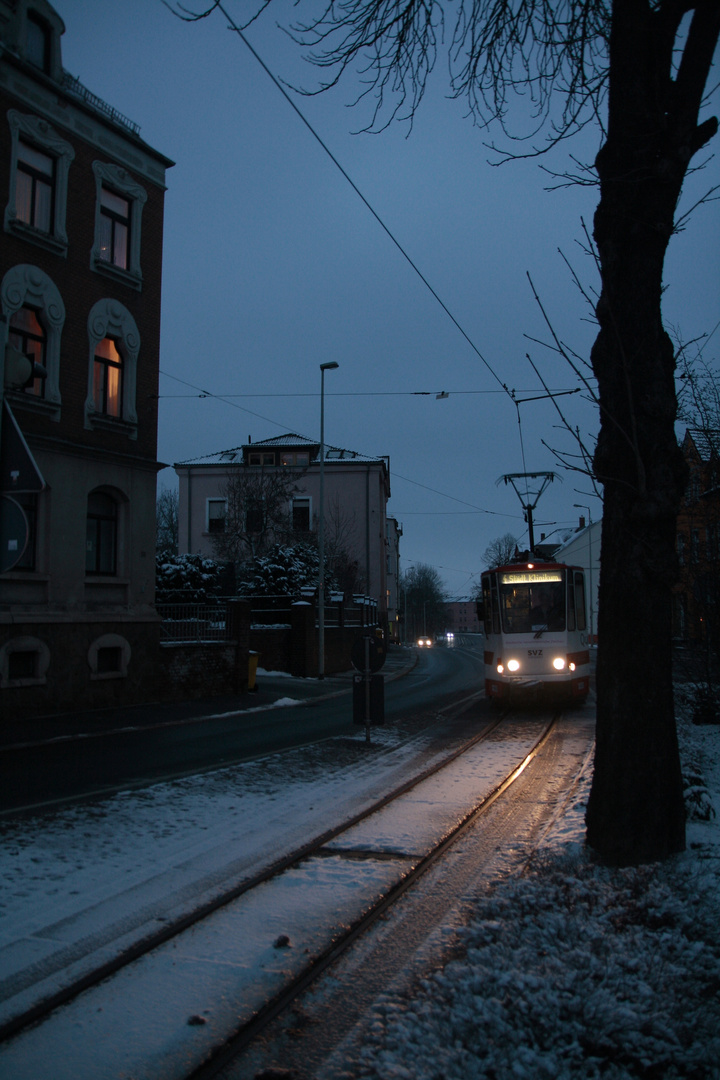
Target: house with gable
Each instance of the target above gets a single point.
(235, 489)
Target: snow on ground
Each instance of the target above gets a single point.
(567, 970)
(570, 970)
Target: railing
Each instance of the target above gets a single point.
(76, 88)
(192, 622)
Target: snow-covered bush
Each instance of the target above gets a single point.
(185, 579)
(282, 571)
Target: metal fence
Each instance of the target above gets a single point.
(192, 622)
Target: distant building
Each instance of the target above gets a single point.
(461, 616)
(583, 549)
(356, 492)
(80, 272)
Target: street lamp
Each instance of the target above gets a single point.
(321, 524)
(581, 506)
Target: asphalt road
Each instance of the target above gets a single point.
(142, 746)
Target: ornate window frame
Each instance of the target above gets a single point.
(40, 134)
(110, 318)
(118, 179)
(27, 284)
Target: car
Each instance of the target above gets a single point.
(424, 642)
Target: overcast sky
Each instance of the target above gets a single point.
(273, 265)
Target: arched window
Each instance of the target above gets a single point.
(114, 346)
(101, 536)
(36, 316)
(107, 378)
(27, 335)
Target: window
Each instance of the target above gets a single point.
(114, 228)
(301, 515)
(37, 43)
(34, 187)
(119, 202)
(35, 313)
(216, 513)
(261, 459)
(39, 165)
(254, 514)
(28, 337)
(29, 503)
(101, 543)
(114, 346)
(107, 379)
(301, 458)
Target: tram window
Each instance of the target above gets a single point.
(580, 601)
(570, 602)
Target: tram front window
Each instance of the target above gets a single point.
(531, 608)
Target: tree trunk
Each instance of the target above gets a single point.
(636, 812)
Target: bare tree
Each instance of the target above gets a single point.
(423, 598)
(500, 551)
(257, 512)
(166, 534)
(638, 71)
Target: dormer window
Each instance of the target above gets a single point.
(37, 42)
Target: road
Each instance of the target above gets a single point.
(152, 744)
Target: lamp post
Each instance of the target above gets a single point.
(580, 506)
(321, 524)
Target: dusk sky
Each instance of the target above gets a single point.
(273, 265)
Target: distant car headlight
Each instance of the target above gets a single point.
(559, 663)
(513, 665)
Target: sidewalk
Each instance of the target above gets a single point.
(271, 688)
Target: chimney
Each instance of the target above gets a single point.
(582, 522)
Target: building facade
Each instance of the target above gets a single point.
(80, 276)
(696, 596)
(269, 491)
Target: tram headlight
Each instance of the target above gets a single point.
(500, 667)
(513, 665)
(559, 663)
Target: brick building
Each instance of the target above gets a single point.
(80, 276)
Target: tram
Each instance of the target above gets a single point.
(536, 635)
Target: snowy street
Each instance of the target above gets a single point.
(571, 962)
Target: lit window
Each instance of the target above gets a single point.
(114, 228)
(114, 345)
(28, 337)
(107, 379)
(101, 536)
(35, 313)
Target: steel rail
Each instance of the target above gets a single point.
(236, 1043)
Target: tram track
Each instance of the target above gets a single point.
(333, 844)
(38, 1011)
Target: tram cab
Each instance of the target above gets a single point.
(536, 631)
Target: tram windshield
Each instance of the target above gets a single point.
(532, 601)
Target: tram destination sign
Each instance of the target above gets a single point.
(530, 577)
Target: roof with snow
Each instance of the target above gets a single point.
(705, 440)
(291, 441)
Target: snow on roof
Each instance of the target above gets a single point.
(706, 441)
(289, 442)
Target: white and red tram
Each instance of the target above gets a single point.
(536, 635)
